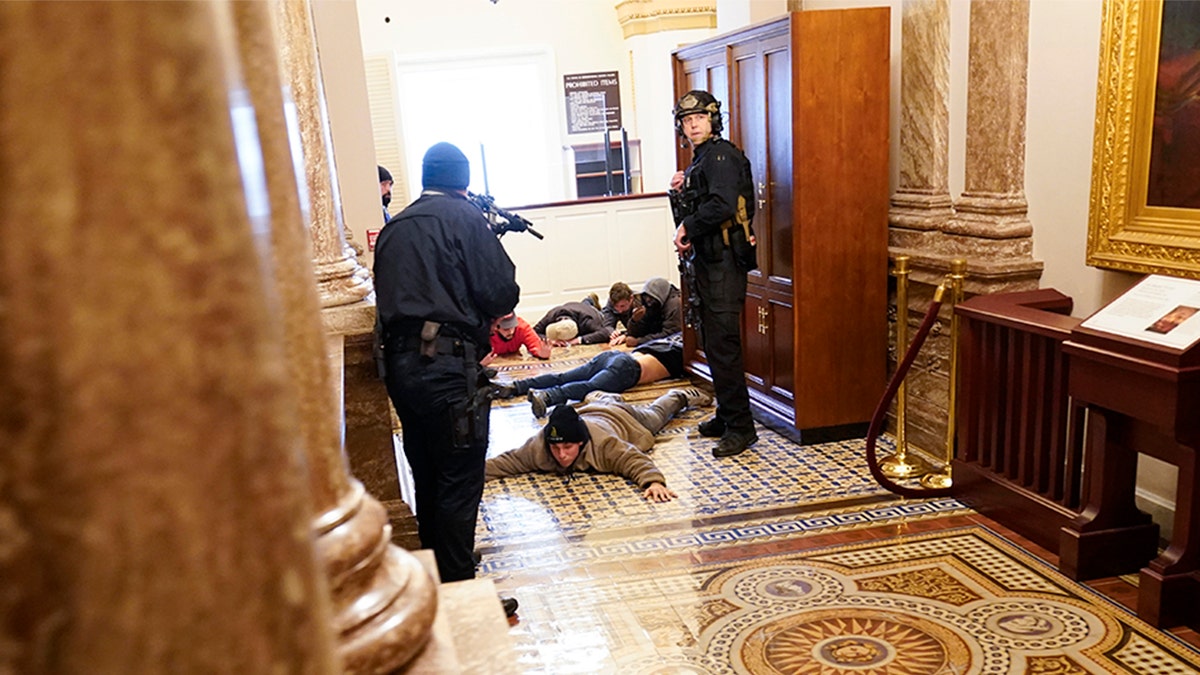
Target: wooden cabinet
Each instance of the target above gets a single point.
(806, 99)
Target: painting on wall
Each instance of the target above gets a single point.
(1145, 198)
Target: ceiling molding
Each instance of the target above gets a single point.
(643, 17)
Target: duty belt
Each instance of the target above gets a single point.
(445, 344)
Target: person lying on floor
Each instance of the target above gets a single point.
(612, 371)
(586, 318)
(605, 435)
(511, 332)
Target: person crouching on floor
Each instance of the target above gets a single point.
(511, 332)
(606, 435)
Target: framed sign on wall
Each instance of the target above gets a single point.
(1144, 211)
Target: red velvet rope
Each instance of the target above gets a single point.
(881, 411)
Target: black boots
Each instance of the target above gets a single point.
(713, 427)
(734, 443)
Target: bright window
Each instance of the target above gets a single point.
(492, 106)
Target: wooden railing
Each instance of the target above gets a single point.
(1019, 451)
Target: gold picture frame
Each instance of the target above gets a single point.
(1125, 230)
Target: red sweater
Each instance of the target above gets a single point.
(523, 335)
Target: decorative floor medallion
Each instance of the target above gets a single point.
(830, 641)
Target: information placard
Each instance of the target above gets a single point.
(593, 101)
(1159, 309)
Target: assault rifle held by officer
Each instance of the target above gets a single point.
(499, 220)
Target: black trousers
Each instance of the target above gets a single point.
(722, 289)
(445, 441)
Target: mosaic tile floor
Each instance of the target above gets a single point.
(787, 558)
(959, 601)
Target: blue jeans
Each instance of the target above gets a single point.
(613, 371)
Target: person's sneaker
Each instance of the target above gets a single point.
(510, 606)
(713, 427)
(538, 401)
(505, 390)
(594, 299)
(696, 398)
(734, 443)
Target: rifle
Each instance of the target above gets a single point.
(499, 220)
(687, 275)
(683, 203)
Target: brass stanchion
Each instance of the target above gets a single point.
(899, 464)
(942, 478)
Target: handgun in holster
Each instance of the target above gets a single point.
(429, 334)
(741, 242)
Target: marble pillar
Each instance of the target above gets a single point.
(920, 209)
(349, 318)
(383, 600)
(341, 280)
(155, 514)
(921, 205)
(988, 225)
(991, 227)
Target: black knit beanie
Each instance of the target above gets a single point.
(565, 426)
(445, 166)
(384, 174)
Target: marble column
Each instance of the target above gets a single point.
(349, 326)
(154, 506)
(988, 225)
(383, 600)
(921, 208)
(991, 227)
(341, 280)
(921, 205)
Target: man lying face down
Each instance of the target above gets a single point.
(605, 435)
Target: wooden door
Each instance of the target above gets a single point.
(762, 75)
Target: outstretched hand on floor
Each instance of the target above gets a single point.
(657, 492)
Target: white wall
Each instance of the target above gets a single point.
(583, 35)
(627, 240)
(1064, 57)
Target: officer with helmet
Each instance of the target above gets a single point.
(713, 203)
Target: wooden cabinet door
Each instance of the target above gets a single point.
(761, 72)
(756, 352)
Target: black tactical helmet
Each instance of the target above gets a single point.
(698, 101)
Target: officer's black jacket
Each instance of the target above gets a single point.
(437, 260)
(719, 172)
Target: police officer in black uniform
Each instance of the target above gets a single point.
(713, 203)
(442, 279)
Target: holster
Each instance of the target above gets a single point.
(738, 235)
(377, 347)
(429, 333)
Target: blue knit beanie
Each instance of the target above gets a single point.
(445, 166)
